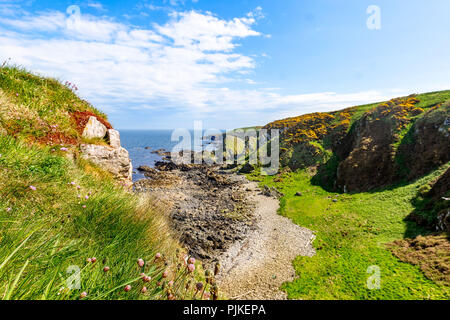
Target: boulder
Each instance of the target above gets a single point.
(247, 168)
(114, 160)
(94, 129)
(113, 137)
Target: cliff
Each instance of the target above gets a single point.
(370, 147)
(69, 230)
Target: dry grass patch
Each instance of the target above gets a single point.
(430, 253)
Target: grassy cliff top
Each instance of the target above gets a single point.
(42, 110)
(58, 210)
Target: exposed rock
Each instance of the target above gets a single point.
(431, 147)
(370, 156)
(209, 210)
(271, 192)
(432, 208)
(114, 160)
(94, 129)
(148, 172)
(247, 168)
(113, 137)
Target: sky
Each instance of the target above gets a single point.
(164, 64)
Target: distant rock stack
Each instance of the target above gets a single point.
(113, 157)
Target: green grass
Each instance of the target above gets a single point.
(351, 237)
(31, 104)
(47, 231)
(47, 234)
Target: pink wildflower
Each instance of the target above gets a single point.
(105, 269)
(127, 288)
(87, 197)
(140, 263)
(64, 149)
(191, 267)
(144, 289)
(83, 295)
(191, 260)
(33, 188)
(158, 255)
(165, 274)
(8, 209)
(89, 260)
(94, 259)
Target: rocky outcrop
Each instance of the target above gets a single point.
(94, 129)
(208, 208)
(433, 206)
(390, 144)
(113, 137)
(430, 142)
(370, 162)
(114, 160)
(360, 149)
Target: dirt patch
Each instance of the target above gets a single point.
(56, 137)
(81, 118)
(430, 253)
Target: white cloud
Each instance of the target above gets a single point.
(96, 5)
(189, 63)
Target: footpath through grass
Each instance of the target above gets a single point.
(351, 236)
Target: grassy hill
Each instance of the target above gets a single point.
(369, 180)
(57, 211)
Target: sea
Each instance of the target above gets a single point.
(141, 143)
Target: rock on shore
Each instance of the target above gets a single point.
(208, 207)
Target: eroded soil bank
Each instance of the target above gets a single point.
(222, 217)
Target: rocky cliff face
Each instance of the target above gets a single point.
(393, 142)
(111, 157)
(433, 205)
(356, 151)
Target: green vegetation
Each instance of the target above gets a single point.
(352, 232)
(40, 109)
(57, 210)
(60, 224)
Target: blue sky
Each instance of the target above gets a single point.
(163, 64)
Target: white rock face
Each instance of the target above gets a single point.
(113, 137)
(94, 129)
(114, 160)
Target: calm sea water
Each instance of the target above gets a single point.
(135, 141)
